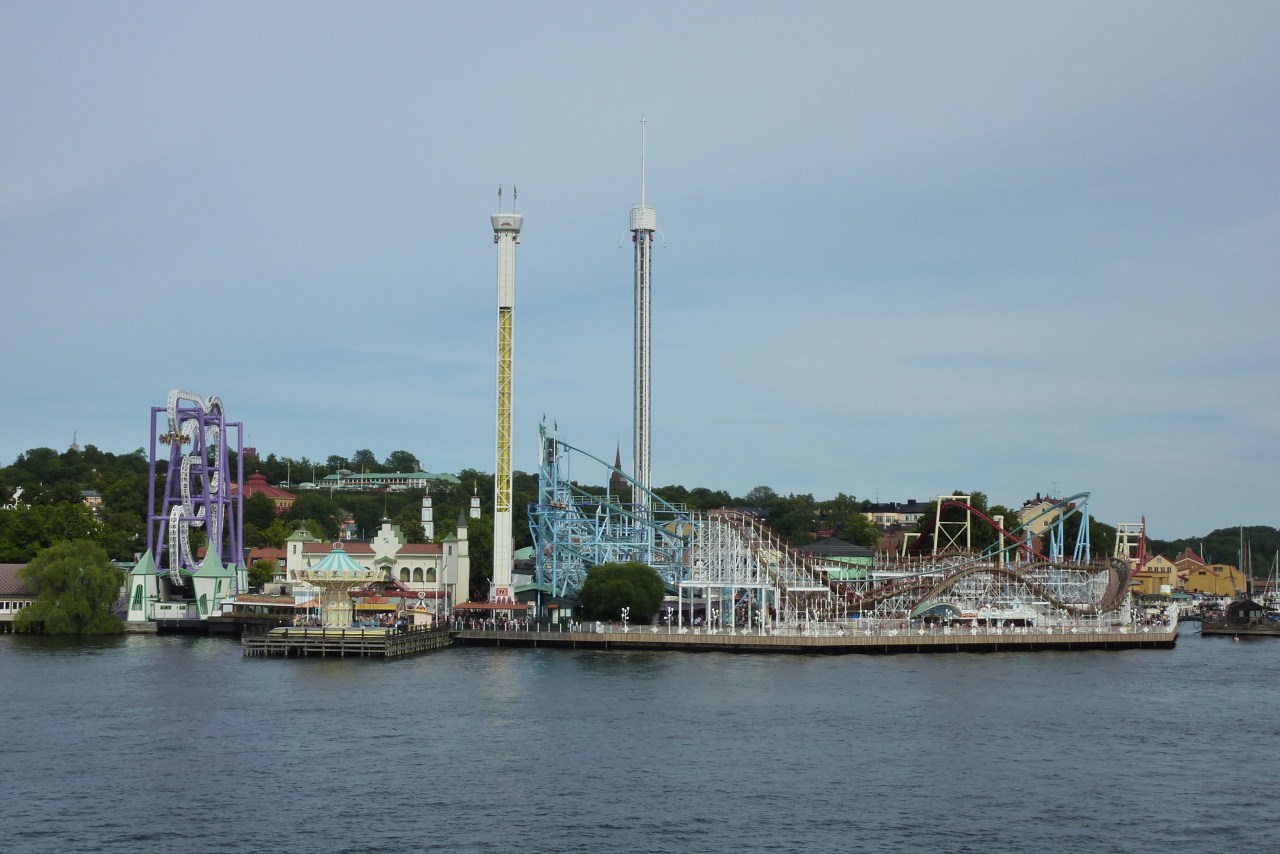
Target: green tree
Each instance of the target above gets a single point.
(75, 586)
(480, 550)
(319, 508)
(401, 461)
(792, 518)
(409, 520)
(364, 460)
(843, 514)
(701, 498)
(261, 572)
(759, 496)
(610, 587)
(259, 511)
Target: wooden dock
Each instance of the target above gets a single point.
(874, 643)
(344, 643)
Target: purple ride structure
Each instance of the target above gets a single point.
(200, 498)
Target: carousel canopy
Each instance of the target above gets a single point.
(337, 569)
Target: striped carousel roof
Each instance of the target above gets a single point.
(338, 567)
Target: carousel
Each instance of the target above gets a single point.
(337, 574)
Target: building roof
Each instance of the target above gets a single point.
(257, 483)
(338, 565)
(382, 477)
(909, 506)
(356, 547)
(836, 547)
(1188, 554)
(10, 584)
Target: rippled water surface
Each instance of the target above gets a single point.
(147, 744)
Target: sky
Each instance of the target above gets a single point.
(904, 248)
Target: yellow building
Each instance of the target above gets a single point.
(1217, 579)
(1159, 575)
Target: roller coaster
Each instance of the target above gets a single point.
(735, 570)
(575, 527)
(198, 493)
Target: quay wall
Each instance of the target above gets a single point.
(857, 643)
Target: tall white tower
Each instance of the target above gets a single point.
(506, 233)
(428, 518)
(644, 222)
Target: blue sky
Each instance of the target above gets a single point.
(909, 247)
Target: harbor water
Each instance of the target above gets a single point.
(167, 744)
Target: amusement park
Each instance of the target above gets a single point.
(723, 570)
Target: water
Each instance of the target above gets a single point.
(142, 744)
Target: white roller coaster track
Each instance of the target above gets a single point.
(185, 515)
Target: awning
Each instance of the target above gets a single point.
(490, 606)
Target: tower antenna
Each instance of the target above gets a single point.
(642, 170)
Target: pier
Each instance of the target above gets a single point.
(344, 643)
(876, 642)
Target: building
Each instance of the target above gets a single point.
(440, 572)
(15, 594)
(892, 515)
(395, 481)
(1217, 579)
(1159, 575)
(1038, 514)
(845, 561)
(256, 484)
(1187, 563)
(276, 557)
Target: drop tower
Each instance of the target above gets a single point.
(506, 234)
(644, 222)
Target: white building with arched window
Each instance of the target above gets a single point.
(441, 571)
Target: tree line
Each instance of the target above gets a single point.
(51, 508)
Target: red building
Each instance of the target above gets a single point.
(257, 484)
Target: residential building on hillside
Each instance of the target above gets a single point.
(889, 515)
(1038, 514)
(395, 481)
(256, 484)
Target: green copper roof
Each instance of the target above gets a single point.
(211, 567)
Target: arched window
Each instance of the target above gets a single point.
(417, 574)
(404, 575)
